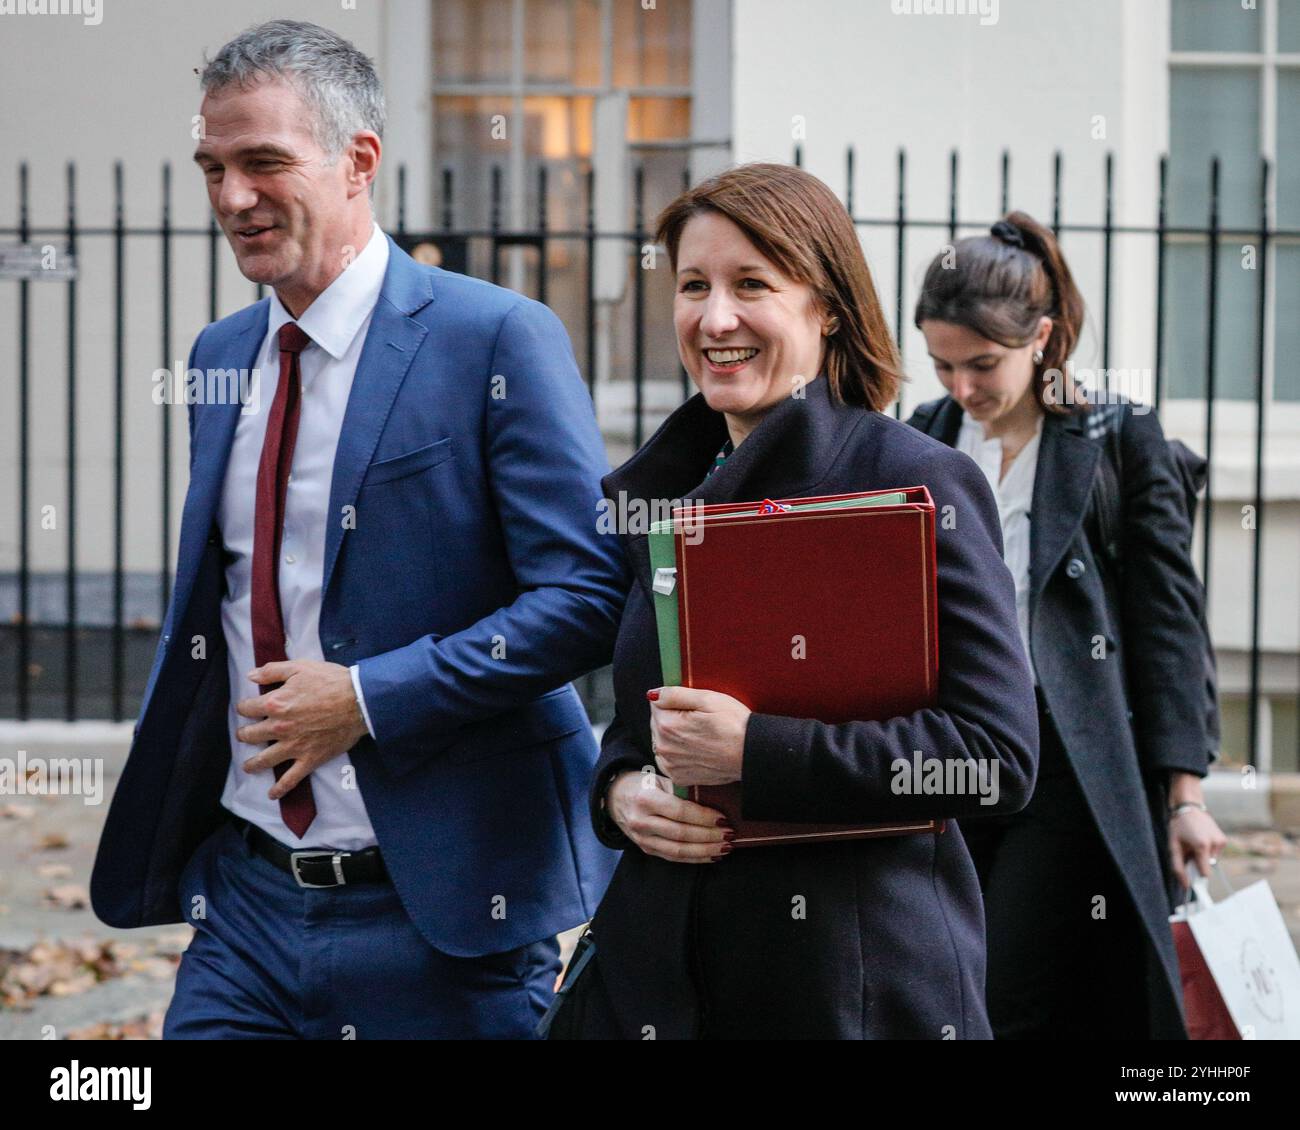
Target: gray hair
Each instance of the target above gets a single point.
(337, 81)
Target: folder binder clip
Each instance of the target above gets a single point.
(770, 507)
(665, 581)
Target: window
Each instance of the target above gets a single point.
(515, 83)
(1234, 93)
(515, 88)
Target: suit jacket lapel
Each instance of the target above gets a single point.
(391, 344)
(1067, 464)
(213, 436)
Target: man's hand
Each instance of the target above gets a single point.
(310, 720)
(698, 736)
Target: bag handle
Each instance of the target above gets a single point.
(1200, 889)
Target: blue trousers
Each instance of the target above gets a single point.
(273, 960)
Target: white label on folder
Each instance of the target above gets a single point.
(665, 581)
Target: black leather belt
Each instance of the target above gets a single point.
(318, 867)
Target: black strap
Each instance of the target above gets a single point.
(583, 952)
(1110, 479)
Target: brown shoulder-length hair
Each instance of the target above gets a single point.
(799, 224)
(999, 285)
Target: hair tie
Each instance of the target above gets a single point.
(1008, 233)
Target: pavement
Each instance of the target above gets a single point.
(65, 975)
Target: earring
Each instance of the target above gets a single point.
(1038, 356)
(832, 325)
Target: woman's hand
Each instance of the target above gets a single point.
(698, 737)
(643, 805)
(1193, 834)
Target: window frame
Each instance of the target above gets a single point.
(1266, 63)
(517, 89)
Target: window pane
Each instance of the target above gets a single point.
(471, 40)
(658, 119)
(557, 136)
(556, 127)
(464, 135)
(652, 46)
(1286, 364)
(1288, 148)
(1214, 111)
(664, 178)
(1214, 25)
(1236, 321)
(562, 42)
(1288, 25)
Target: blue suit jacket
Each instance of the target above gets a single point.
(464, 573)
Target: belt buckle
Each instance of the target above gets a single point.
(336, 857)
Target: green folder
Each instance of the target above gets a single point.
(663, 555)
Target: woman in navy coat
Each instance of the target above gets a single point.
(779, 325)
(1076, 883)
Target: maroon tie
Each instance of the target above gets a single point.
(297, 807)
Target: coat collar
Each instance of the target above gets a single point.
(1067, 464)
(790, 451)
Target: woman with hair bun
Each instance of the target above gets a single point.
(1077, 885)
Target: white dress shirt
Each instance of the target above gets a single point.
(1014, 494)
(336, 322)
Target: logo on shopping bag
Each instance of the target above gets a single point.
(1261, 980)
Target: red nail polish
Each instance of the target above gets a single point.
(726, 849)
(653, 696)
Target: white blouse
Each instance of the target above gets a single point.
(1014, 496)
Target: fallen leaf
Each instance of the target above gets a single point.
(70, 896)
(70, 986)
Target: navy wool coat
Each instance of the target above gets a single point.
(890, 938)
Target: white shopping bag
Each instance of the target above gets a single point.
(1246, 945)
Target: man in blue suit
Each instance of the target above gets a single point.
(359, 771)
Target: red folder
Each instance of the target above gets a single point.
(826, 614)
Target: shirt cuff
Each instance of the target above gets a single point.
(361, 698)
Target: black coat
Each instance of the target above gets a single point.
(1132, 710)
(892, 941)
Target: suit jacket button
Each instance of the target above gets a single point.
(1075, 568)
